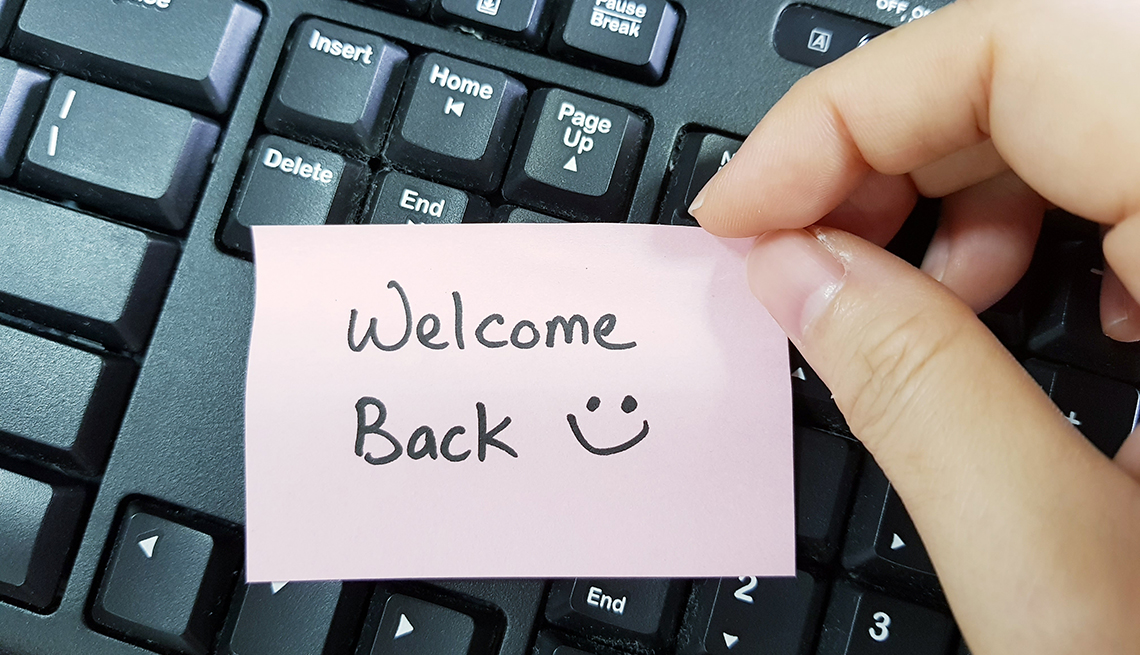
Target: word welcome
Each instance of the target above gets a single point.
(524, 335)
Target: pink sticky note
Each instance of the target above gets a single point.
(431, 401)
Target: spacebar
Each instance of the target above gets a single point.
(80, 274)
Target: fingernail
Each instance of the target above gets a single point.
(795, 276)
(937, 257)
(1125, 331)
(1119, 313)
(699, 200)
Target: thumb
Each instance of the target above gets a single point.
(1011, 501)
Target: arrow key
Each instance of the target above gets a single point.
(882, 543)
(410, 626)
(165, 583)
(750, 616)
(548, 644)
(294, 617)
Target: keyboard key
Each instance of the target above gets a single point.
(638, 608)
(165, 583)
(702, 155)
(78, 273)
(1008, 317)
(191, 54)
(456, 122)
(337, 85)
(516, 600)
(813, 404)
(402, 199)
(410, 626)
(1105, 411)
(294, 617)
(575, 157)
(8, 11)
(548, 644)
(882, 543)
(511, 214)
(814, 37)
(1069, 329)
(60, 403)
(38, 522)
(515, 20)
(289, 183)
(866, 623)
(754, 616)
(119, 154)
(24, 88)
(626, 37)
(825, 468)
(413, 7)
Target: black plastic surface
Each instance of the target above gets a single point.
(181, 438)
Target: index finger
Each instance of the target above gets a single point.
(1042, 79)
(908, 98)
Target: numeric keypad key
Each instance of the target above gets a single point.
(702, 155)
(640, 609)
(401, 199)
(882, 543)
(753, 616)
(866, 623)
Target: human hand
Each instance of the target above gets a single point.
(1003, 107)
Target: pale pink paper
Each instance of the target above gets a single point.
(707, 493)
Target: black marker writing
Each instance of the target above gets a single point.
(491, 332)
(371, 333)
(422, 442)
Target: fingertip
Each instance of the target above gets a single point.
(1121, 245)
(985, 239)
(876, 209)
(1128, 457)
(1119, 312)
(795, 276)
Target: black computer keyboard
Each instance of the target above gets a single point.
(140, 139)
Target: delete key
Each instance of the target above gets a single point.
(458, 401)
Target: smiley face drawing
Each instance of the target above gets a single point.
(628, 404)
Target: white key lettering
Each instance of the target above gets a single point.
(336, 48)
(448, 80)
(275, 159)
(603, 601)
